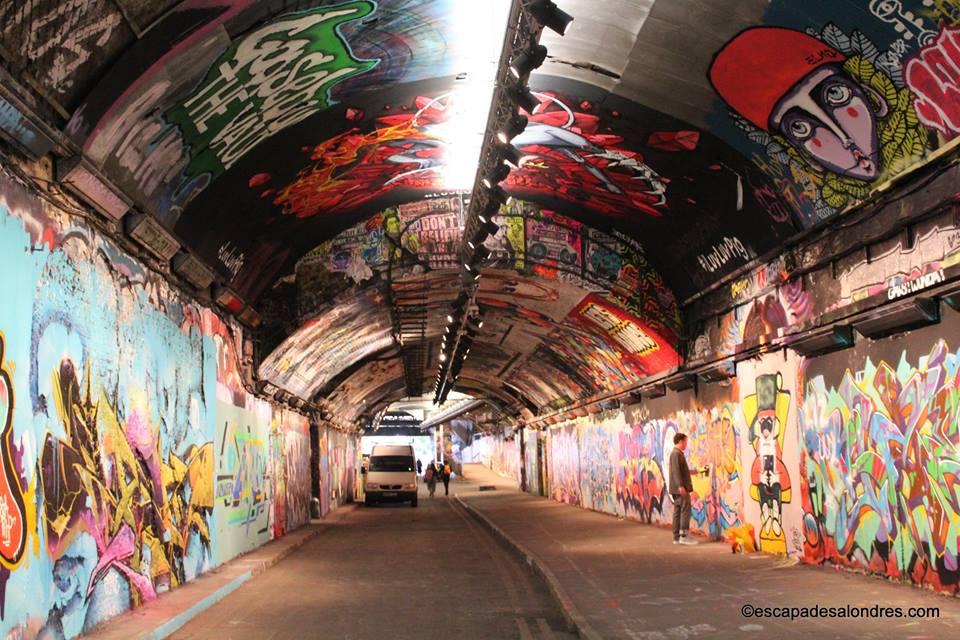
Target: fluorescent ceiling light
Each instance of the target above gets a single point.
(479, 29)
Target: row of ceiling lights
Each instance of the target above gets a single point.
(498, 158)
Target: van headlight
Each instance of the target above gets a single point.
(373, 485)
(410, 485)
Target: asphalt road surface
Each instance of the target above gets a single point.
(391, 572)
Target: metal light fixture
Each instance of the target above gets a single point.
(550, 15)
(496, 194)
(192, 269)
(151, 235)
(498, 174)
(823, 340)
(480, 254)
(897, 318)
(527, 61)
(512, 157)
(80, 178)
(228, 299)
(512, 128)
(489, 227)
(522, 97)
(477, 239)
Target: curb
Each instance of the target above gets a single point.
(172, 625)
(571, 614)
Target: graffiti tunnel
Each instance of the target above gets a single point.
(242, 243)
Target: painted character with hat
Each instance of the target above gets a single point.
(766, 412)
(838, 115)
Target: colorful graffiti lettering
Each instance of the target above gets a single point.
(565, 465)
(271, 79)
(880, 468)
(934, 76)
(714, 441)
(242, 477)
(598, 467)
(146, 515)
(766, 413)
(13, 524)
(640, 484)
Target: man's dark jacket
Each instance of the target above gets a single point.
(679, 472)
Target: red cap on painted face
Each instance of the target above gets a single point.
(760, 65)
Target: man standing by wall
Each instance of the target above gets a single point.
(680, 488)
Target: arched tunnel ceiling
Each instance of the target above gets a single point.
(568, 310)
(697, 134)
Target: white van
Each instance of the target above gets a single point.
(391, 475)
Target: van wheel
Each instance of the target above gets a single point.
(413, 503)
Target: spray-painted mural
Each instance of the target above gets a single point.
(243, 483)
(564, 465)
(879, 463)
(852, 96)
(713, 440)
(290, 474)
(122, 474)
(766, 412)
(531, 462)
(505, 458)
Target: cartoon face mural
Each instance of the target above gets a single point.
(804, 95)
(831, 105)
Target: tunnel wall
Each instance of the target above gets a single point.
(863, 456)
(133, 459)
(501, 455)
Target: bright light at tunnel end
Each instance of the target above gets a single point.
(479, 29)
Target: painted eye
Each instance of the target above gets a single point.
(801, 129)
(837, 95)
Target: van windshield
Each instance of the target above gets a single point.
(391, 463)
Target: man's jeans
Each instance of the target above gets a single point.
(681, 514)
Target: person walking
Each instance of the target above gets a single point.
(419, 467)
(430, 477)
(681, 486)
(445, 476)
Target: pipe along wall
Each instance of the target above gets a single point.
(132, 459)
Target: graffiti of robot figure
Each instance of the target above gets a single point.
(766, 412)
(838, 116)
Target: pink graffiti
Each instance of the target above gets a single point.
(934, 77)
